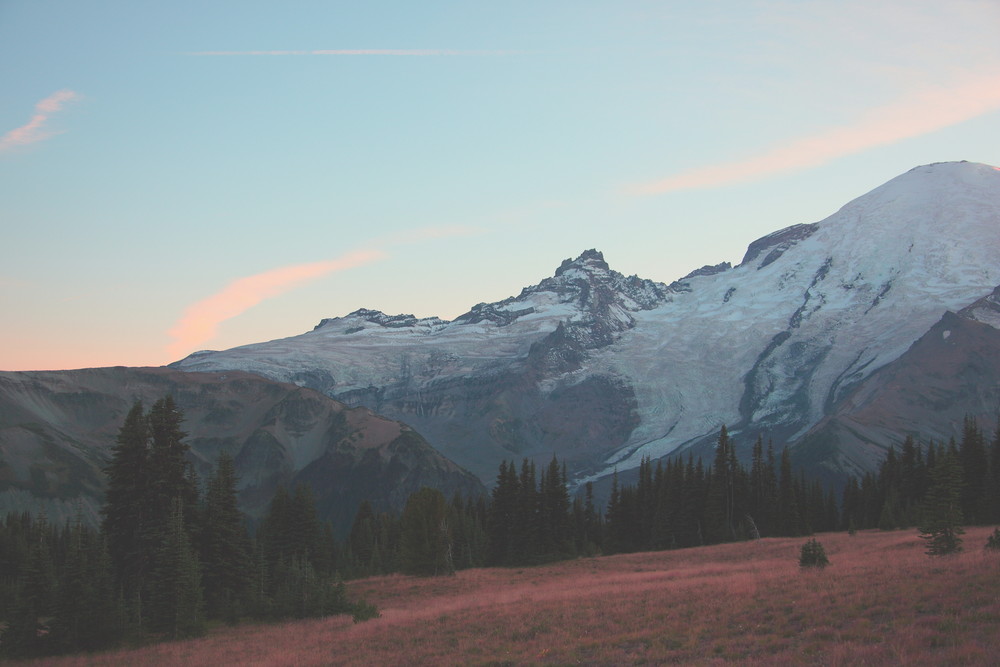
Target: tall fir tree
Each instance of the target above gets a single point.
(425, 535)
(175, 602)
(941, 522)
(224, 546)
(128, 505)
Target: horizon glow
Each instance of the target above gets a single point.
(469, 148)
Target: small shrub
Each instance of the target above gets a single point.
(993, 541)
(364, 611)
(813, 555)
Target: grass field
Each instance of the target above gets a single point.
(882, 601)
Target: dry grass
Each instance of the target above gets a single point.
(881, 601)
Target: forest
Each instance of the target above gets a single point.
(174, 555)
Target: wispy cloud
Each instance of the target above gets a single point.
(34, 130)
(921, 112)
(201, 320)
(358, 52)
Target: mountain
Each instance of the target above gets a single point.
(57, 429)
(950, 372)
(601, 369)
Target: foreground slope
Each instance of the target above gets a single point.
(57, 429)
(602, 369)
(881, 601)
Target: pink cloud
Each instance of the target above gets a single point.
(201, 320)
(34, 130)
(925, 111)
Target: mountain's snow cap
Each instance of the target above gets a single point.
(364, 315)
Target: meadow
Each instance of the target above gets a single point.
(881, 601)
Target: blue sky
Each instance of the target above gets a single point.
(190, 175)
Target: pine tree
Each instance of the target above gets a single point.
(364, 543)
(720, 499)
(173, 476)
(501, 516)
(175, 600)
(789, 508)
(224, 545)
(425, 535)
(555, 541)
(35, 603)
(127, 501)
(975, 472)
(941, 523)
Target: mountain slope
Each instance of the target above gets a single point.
(57, 429)
(602, 369)
(951, 372)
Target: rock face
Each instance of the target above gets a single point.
(951, 372)
(57, 429)
(601, 369)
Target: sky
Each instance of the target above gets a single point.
(200, 175)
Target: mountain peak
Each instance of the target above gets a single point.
(588, 260)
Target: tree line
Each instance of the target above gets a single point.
(169, 556)
(173, 554)
(936, 488)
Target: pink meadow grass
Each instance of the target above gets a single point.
(881, 601)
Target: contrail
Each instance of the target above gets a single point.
(358, 52)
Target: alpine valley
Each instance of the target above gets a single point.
(836, 338)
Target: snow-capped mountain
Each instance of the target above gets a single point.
(601, 369)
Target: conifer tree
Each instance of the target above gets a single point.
(555, 541)
(941, 523)
(36, 597)
(175, 600)
(173, 476)
(224, 545)
(364, 543)
(127, 503)
(789, 511)
(502, 516)
(975, 472)
(425, 535)
(720, 498)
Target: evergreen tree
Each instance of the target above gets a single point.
(28, 631)
(941, 523)
(127, 503)
(425, 535)
(173, 476)
(720, 499)
(555, 540)
(175, 601)
(224, 545)
(502, 516)
(975, 472)
(468, 535)
(365, 546)
(88, 614)
(790, 523)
